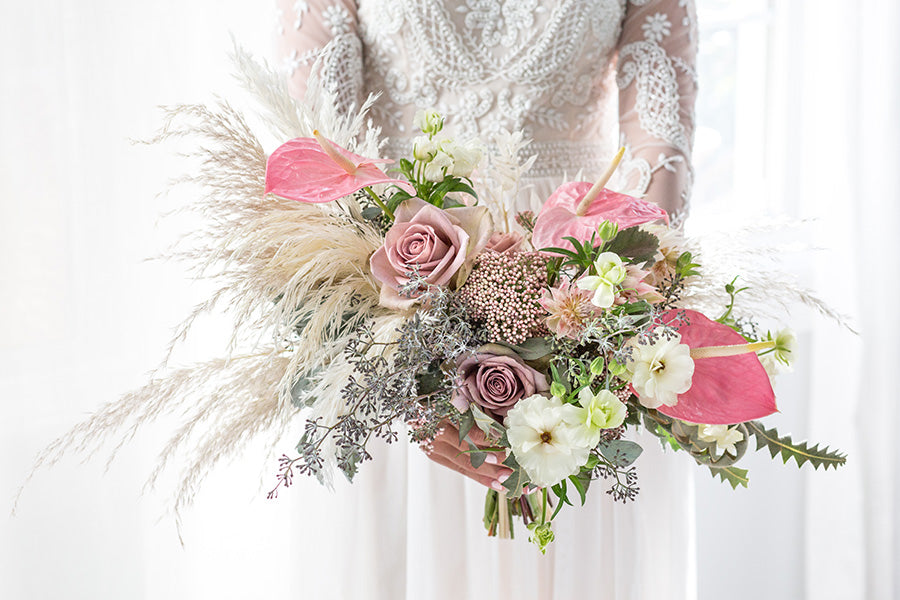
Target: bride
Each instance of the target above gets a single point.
(580, 78)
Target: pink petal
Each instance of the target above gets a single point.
(725, 389)
(300, 170)
(558, 220)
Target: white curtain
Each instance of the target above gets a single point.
(809, 127)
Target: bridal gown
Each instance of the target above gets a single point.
(580, 78)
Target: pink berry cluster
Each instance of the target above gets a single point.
(503, 293)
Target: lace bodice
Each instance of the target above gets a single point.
(556, 69)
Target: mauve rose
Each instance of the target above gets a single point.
(501, 242)
(433, 242)
(495, 381)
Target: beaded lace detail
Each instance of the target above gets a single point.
(548, 68)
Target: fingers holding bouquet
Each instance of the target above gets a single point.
(449, 451)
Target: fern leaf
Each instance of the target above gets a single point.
(732, 475)
(800, 452)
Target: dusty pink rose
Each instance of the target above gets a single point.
(429, 241)
(495, 381)
(502, 242)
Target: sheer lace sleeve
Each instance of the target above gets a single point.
(657, 88)
(311, 29)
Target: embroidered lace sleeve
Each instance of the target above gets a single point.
(325, 30)
(657, 88)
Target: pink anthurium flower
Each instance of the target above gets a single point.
(560, 216)
(727, 387)
(316, 170)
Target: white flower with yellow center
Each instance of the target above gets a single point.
(724, 437)
(544, 437)
(661, 370)
(610, 273)
(599, 411)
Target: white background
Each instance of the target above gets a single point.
(797, 116)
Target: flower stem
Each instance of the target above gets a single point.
(380, 204)
(543, 506)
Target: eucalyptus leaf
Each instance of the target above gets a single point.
(298, 397)
(531, 349)
(476, 455)
(488, 425)
(466, 422)
(370, 213)
(620, 453)
(517, 479)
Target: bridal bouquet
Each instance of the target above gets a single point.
(371, 300)
(549, 340)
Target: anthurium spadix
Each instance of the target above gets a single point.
(317, 170)
(577, 209)
(729, 383)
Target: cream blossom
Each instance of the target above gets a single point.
(423, 148)
(544, 436)
(724, 437)
(428, 121)
(785, 344)
(602, 410)
(660, 370)
(610, 273)
(465, 157)
(438, 166)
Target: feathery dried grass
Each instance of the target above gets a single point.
(292, 275)
(771, 291)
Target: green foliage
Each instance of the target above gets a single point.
(581, 482)
(531, 349)
(517, 480)
(476, 455)
(620, 453)
(466, 422)
(491, 428)
(732, 475)
(684, 267)
(429, 191)
(634, 243)
(800, 452)
(582, 256)
(732, 291)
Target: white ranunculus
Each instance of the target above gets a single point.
(724, 437)
(439, 165)
(543, 435)
(661, 370)
(599, 411)
(610, 273)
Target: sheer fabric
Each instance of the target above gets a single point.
(550, 69)
(558, 71)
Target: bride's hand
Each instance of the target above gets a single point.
(446, 450)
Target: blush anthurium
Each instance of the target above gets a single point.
(729, 384)
(577, 208)
(316, 170)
